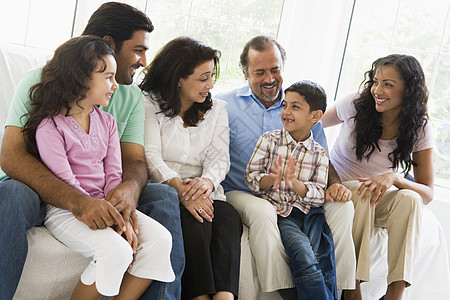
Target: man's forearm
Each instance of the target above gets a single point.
(18, 164)
(136, 174)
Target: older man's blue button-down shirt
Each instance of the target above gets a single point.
(248, 120)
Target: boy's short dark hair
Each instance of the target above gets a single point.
(313, 92)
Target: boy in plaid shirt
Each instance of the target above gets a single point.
(289, 169)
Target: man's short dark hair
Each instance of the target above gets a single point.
(118, 20)
(313, 92)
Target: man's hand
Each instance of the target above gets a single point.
(338, 193)
(124, 200)
(98, 214)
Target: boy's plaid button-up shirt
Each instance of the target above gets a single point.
(311, 169)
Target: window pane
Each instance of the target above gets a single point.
(215, 34)
(421, 24)
(167, 27)
(358, 60)
(446, 45)
(217, 9)
(440, 112)
(260, 13)
(174, 6)
(440, 105)
(13, 12)
(58, 26)
(373, 23)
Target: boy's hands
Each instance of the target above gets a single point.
(276, 172)
(290, 177)
(276, 176)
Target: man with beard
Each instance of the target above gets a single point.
(253, 110)
(127, 30)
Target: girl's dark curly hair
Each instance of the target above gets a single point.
(64, 82)
(178, 59)
(412, 118)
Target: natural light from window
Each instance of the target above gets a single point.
(416, 27)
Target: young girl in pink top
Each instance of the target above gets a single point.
(79, 143)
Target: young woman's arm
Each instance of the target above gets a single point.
(330, 117)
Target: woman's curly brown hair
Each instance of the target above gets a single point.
(412, 118)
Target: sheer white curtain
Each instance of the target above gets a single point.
(314, 34)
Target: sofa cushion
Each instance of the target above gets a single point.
(14, 62)
(51, 269)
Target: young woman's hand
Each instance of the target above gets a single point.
(376, 186)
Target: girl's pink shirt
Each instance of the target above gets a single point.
(90, 162)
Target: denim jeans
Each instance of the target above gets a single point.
(160, 202)
(21, 209)
(309, 245)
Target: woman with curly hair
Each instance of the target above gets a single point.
(386, 134)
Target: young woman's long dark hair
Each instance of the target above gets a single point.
(178, 59)
(412, 118)
(64, 82)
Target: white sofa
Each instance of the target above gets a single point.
(52, 270)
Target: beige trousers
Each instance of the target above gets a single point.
(272, 263)
(400, 212)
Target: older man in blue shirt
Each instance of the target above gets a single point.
(253, 110)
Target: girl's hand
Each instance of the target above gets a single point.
(130, 235)
(377, 186)
(196, 188)
(200, 208)
(276, 172)
(290, 176)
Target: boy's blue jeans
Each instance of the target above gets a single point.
(21, 209)
(309, 245)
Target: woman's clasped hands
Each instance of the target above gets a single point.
(196, 197)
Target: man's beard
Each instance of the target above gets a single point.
(266, 98)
